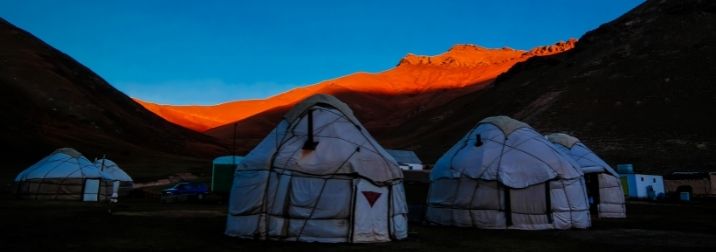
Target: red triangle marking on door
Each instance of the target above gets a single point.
(371, 196)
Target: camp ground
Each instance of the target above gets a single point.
(320, 178)
(360, 197)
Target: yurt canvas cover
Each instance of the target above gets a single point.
(63, 175)
(318, 176)
(503, 174)
(604, 188)
(115, 173)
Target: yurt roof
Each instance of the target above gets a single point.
(62, 163)
(563, 139)
(524, 158)
(368, 158)
(587, 160)
(505, 123)
(112, 170)
(318, 99)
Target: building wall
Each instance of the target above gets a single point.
(637, 184)
(698, 186)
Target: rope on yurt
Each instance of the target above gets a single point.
(569, 203)
(286, 207)
(320, 193)
(454, 198)
(459, 180)
(548, 201)
(62, 182)
(351, 217)
(360, 130)
(464, 144)
(502, 151)
(515, 147)
(286, 138)
(507, 205)
(390, 212)
(587, 151)
(263, 211)
(472, 199)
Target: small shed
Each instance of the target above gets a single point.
(407, 160)
(222, 173)
(643, 186)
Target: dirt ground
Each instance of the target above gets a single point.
(147, 225)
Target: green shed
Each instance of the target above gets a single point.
(222, 173)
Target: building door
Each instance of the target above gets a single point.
(91, 190)
(592, 182)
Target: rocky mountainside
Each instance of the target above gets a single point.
(385, 99)
(640, 89)
(51, 101)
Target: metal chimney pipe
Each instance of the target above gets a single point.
(310, 143)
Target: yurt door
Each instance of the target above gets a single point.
(371, 213)
(91, 190)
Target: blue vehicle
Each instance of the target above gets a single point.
(185, 191)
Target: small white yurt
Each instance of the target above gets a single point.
(64, 175)
(319, 176)
(114, 172)
(604, 188)
(505, 175)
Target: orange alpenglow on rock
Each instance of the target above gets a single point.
(462, 69)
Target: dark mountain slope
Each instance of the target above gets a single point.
(50, 100)
(640, 89)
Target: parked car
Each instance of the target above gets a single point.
(185, 191)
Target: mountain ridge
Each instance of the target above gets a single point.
(460, 67)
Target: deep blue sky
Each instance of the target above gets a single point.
(206, 52)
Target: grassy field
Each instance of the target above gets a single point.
(144, 225)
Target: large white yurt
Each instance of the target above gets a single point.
(115, 173)
(319, 176)
(505, 175)
(64, 175)
(604, 188)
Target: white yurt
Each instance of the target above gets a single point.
(319, 176)
(604, 189)
(115, 173)
(505, 175)
(64, 175)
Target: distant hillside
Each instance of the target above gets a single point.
(384, 99)
(640, 89)
(50, 100)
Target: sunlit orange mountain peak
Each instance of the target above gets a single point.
(417, 83)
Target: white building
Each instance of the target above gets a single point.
(643, 186)
(407, 160)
